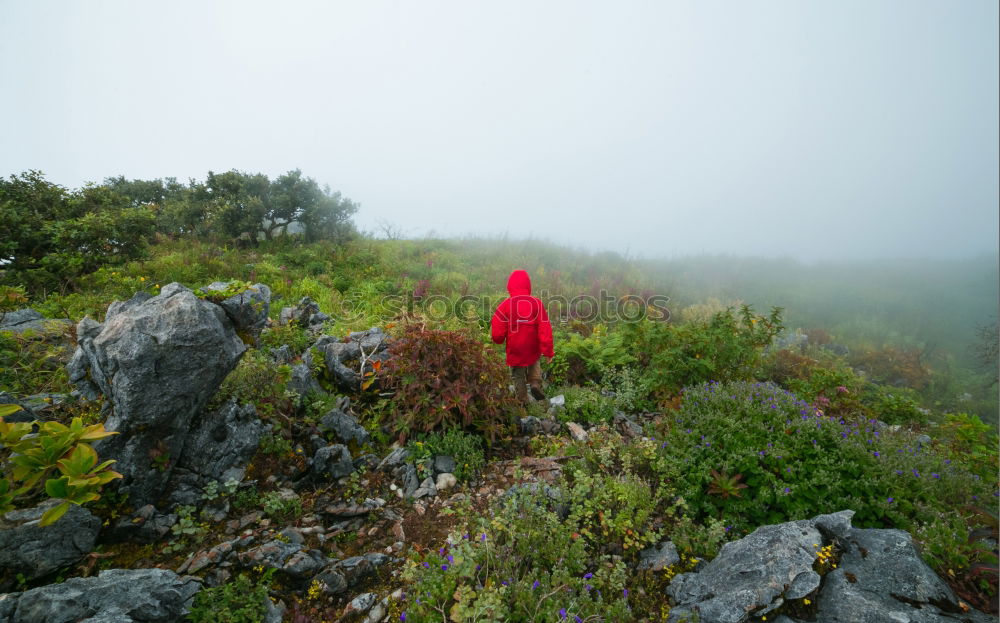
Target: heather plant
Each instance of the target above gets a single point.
(446, 379)
(242, 600)
(57, 460)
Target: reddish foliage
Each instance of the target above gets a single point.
(443, 379)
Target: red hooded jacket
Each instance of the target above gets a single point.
(521, 321)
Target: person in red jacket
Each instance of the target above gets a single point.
(522, 323)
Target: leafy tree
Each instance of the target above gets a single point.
(236, 202)
(49, 236)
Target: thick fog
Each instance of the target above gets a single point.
(815, 130)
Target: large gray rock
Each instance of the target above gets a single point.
(292, 559)
(218, 448)
(750, 577)
(34, 551)
(157, 360)
(114, 596)
(881, 577)
(371, 345)
(247, 310)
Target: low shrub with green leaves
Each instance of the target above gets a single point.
(586, 405)
(755, 454)
(523, 564)
(58, 461)
(257, 380)
(727, 347)
(465, 448)
(243, 600)
(447, 379)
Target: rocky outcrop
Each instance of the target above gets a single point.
(343, 427)
(218, 447)
(247, 310)
(34, 551)
(116, 595)
(306, 315)
(370, 346)
(157, 360)
(24, 320)
(880, 577)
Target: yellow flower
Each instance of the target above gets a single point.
(806, 602)
(142, 278)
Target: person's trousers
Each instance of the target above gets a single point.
(527, 378)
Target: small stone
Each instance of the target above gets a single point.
(445, 481)
(576, 432)
(420, 508)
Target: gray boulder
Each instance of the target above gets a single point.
(371, 345)
(750, 577)
(306, 315)
(157, 360)
(292, 559)
(114, 596)
(344, 427)
(247, 310)
(217, 449)
(29, 549)
(881, 577)
(658, 558)
(333, 461)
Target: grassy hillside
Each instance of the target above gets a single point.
(734, 430)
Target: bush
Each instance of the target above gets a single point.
(726, 348)
(586, 405)
(465, 448)
(241, 601)
(757, 454)
(57, 460)
(259, 381)
(447, 379)
(523, 564)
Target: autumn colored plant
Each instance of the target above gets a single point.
(443, 379)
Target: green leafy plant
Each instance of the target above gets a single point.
(465, 448)
(58, 460)
(586, 405)
(444, 379)
(243, 600)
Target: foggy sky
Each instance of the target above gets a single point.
(817, 130)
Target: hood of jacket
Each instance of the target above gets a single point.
(519, 283)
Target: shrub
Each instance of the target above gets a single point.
(586, 405)
(896, 405)
(241, 601)
(523, 564)
(797, 462)
(446, 379)
(31, 463)
(726, 348)
(465, 448)
(259, 381)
